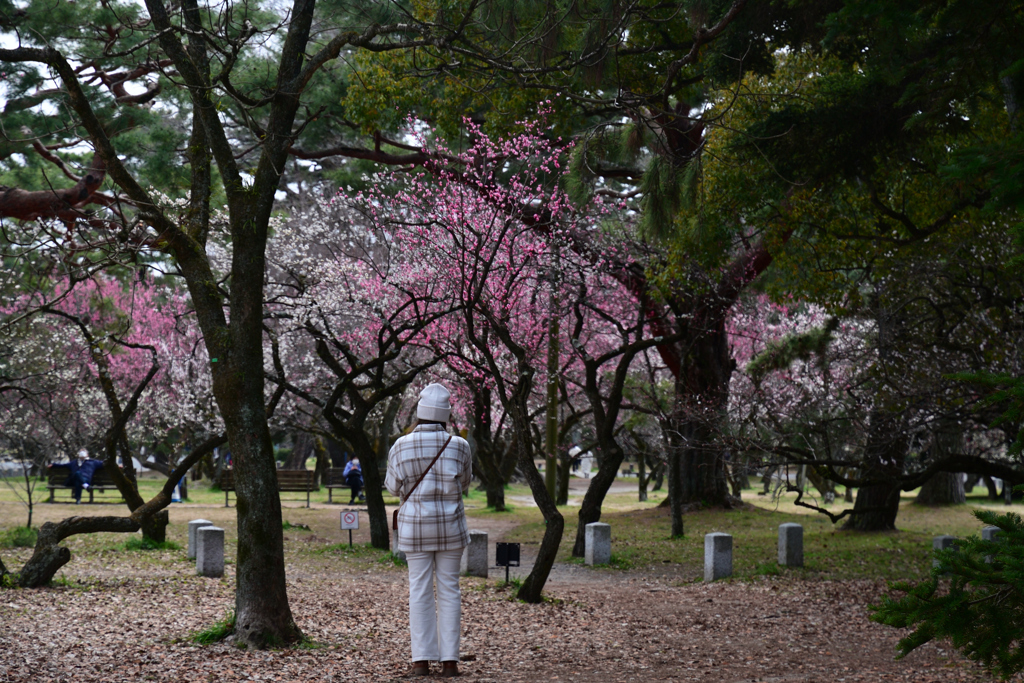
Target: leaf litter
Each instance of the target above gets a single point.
(118, 619)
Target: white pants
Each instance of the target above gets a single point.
(435, 631)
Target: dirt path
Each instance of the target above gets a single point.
(120, 617)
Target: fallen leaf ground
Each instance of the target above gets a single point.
(124, 616)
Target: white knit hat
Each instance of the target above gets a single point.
(434, 404)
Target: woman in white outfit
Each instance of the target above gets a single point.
(432, 529)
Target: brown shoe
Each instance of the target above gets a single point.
(421, 668)
(449, 669)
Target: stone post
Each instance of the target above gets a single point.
(941, 543)
(990, 533)
(192, 526)
(597, 538)
(791, 545)
(474, 555)
(717, 556)
(210, 551)
(400, 554)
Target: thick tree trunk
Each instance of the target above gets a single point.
(876, 508)
(155, 527)
(885, 451)
(945, 488)
(496, 496)
(701, 394)
(263, 616)
(590, 509)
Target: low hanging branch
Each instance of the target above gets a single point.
(66, 205)
(49, 555)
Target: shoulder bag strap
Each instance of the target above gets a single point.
(394, 520)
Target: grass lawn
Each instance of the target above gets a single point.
(640, 531)
(641, 536)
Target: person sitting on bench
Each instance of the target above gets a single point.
(82, 470)
(353, 475)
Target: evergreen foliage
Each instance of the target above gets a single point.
(783, 353)
(975, 598)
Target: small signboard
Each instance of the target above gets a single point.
(507, 555)
(349, 519)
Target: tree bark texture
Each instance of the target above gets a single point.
(945, 488)
(515, 400)
(532, 587)
(878, 503)
(262, 613)
(698, 420)
(154, 527)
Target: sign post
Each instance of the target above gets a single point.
(350, 521)
(507, 555)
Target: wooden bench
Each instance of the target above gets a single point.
(56, 476)
(287, 480)
(334, 479)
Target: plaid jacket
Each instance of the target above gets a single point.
(433, 519)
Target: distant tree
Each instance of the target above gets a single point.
(27, 462)
(353, 316)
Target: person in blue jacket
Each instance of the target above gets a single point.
(353, 475)
(82, 470)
